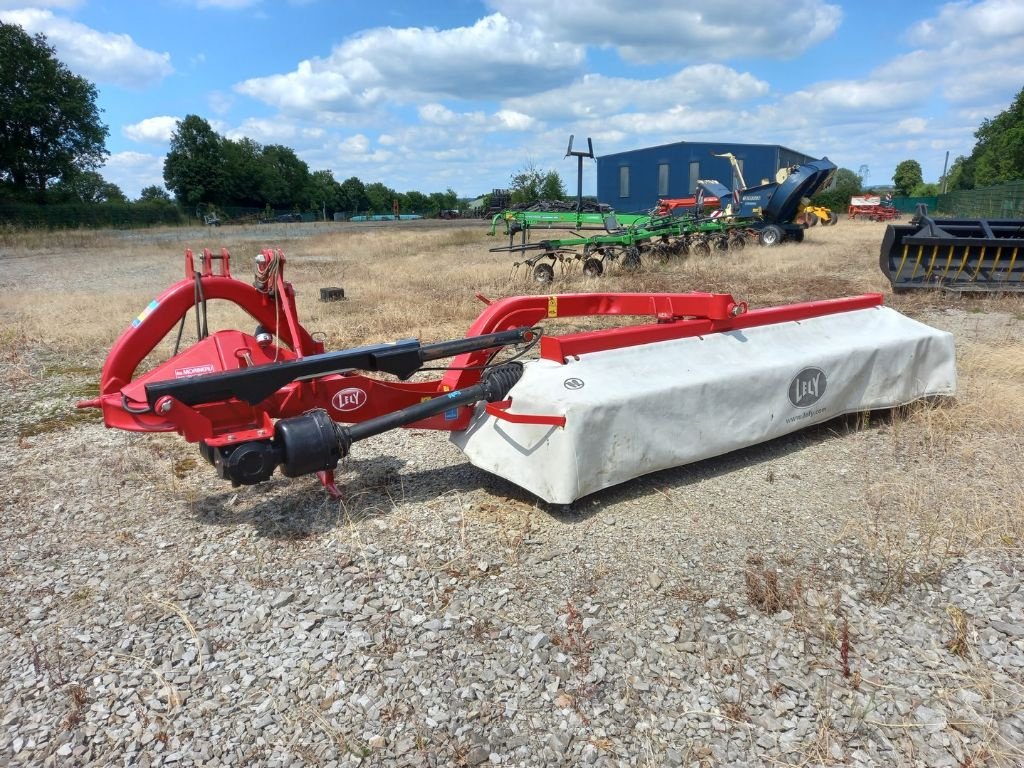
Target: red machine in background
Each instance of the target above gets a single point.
(872, 207)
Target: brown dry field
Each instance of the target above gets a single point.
(67, 295)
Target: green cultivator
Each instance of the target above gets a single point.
(658, 238)
(955, 254)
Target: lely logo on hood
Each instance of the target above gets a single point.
(807, 388)
(348, 399)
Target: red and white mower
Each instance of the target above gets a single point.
(700, 375)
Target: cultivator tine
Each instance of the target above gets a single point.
(955, 254)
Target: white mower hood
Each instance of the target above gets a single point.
(641, 409)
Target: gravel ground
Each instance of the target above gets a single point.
(769, 607)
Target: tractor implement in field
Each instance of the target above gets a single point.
(774, 207)
(963, 255)
(657, 237)
(682, 378)
(872, 208)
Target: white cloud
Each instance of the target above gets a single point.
(912, 125)
(597, 95)
(274, 131)
(972, 51)
(133, 171)
(102, 56)
(836, 101)
(437, 114)
(984, 21)
(65, 5)
(493, 58)
(677, 31)
(152, 130)
(355, 145)
(511, 120)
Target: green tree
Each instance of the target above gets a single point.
(417, 202)
(380, 197)
(86, 187)
(49, 122)
(929, 189)
(196, 167)
(353, 195)
(999, 154)
(907, 176)
(154, 194)
(245, 173)
(323, 191)
(960, 174)
(443, 201)
(845, 184)
(551, 187)
(525, 186)
(285, 177)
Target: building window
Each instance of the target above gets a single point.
(624, 181)
(662, 179)
(694, 176)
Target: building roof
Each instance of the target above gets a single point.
(677, 143)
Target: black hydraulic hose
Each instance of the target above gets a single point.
(181, 329)
(495, 386)
(444, 349)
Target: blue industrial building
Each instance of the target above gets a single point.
(635, 180)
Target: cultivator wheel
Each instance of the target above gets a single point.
(631, 259)
(737, 243)
(592, 268)
(721, 243)
(662, 251)
(543, 273)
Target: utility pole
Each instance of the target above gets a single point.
(579, 171)
(945, 167)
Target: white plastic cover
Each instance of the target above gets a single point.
(641, 409)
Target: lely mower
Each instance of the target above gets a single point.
(681, 378)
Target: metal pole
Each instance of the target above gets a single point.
(945, 167)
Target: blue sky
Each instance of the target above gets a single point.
(464, 93)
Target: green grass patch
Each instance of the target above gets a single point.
(65, 419)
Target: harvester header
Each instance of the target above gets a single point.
(964, 255)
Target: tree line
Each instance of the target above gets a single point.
(206, 170)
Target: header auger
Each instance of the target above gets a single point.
(671, 384)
